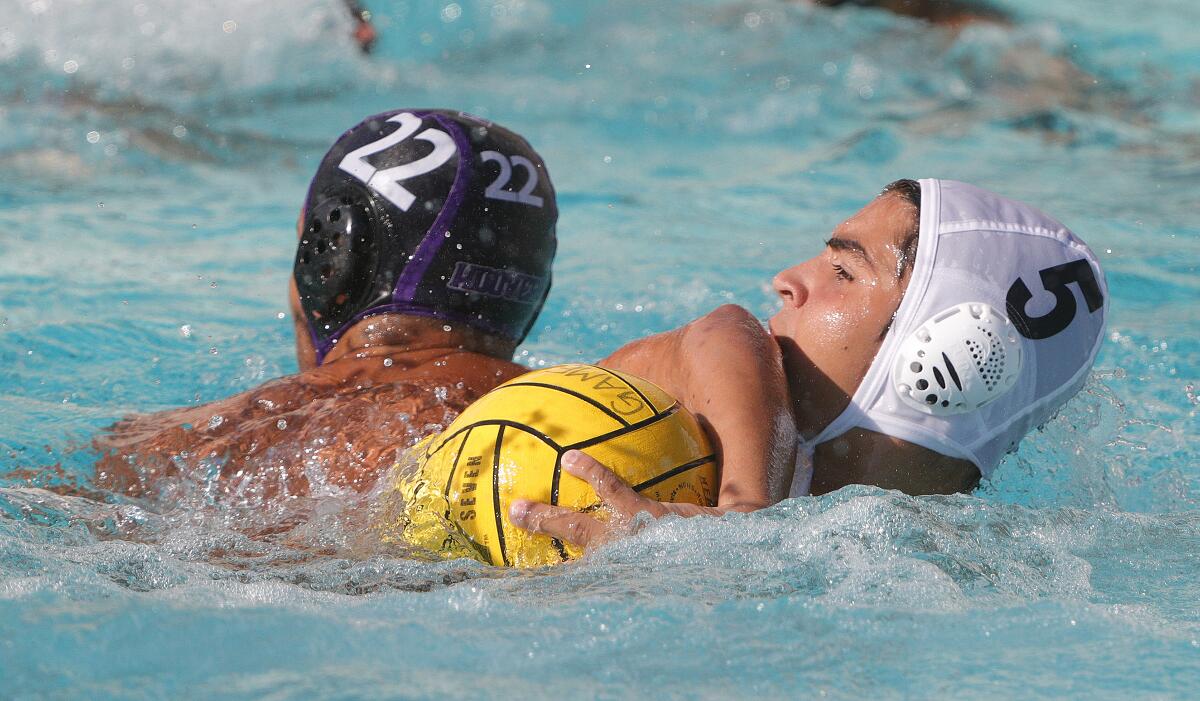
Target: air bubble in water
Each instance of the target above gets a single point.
(387, 362)
(186, 330)
(281, 424)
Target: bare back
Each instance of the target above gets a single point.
(334, 428)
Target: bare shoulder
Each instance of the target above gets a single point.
(142, 448)
(729, 323)
(727, 338)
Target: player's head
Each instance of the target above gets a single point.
(942, 315)
(430, 213)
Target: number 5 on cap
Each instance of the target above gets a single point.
(387, 181)
(1055, 280)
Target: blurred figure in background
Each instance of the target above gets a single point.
(949, 13)
(364, 32)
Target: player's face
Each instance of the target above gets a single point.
(837, 306)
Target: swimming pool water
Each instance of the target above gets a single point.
(154, 159)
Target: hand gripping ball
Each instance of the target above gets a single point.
(509, 444)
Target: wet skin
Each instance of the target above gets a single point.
(755, 389)
(392, 380)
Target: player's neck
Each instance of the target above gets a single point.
(394, 335)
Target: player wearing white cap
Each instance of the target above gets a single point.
(940, 324)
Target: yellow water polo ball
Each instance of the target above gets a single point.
(509, 445)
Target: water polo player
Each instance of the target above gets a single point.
(940, 325)
(426, 242)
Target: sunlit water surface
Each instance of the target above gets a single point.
(154, 159)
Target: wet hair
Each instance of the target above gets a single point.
(910, 192)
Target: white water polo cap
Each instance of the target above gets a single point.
(999, 326)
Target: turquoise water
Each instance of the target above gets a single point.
(154, 159)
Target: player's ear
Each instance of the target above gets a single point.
(860, 456)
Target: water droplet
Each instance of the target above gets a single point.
(447, 327)
(70, 67)
(229, 26)
(387, 362)
(281, 424)
(451, 12)
(93, 137)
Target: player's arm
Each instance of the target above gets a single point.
(727, 371)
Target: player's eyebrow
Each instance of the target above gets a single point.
(852, 247)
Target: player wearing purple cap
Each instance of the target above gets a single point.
(426, 242)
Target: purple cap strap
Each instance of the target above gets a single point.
(413, 273)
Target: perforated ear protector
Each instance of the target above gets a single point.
(959, 360)
(337, 264)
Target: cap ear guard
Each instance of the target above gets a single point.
(958, 361)
(336, 262)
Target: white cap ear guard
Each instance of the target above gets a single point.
(958, 361)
